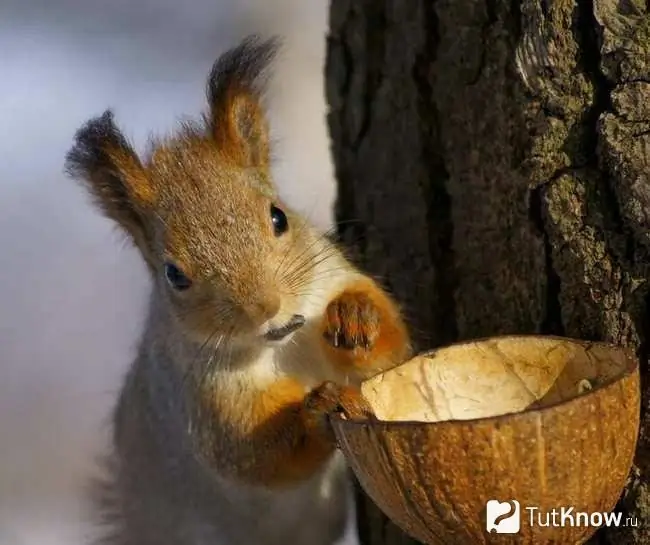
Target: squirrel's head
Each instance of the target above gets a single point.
(224, 251)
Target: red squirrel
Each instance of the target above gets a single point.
(258, 328)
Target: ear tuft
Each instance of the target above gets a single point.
(236, 88)
(103, 160)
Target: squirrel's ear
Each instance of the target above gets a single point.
(108, 166)
(236, 87)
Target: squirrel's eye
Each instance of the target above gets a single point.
(176, 277)
(279, 219)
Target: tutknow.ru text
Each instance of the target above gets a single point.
(568, 516)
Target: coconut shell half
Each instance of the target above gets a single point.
(534, 423)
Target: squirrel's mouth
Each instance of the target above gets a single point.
(279, 333)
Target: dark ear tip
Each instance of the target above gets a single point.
(244, 66)
(255, 43)
(90, 140)
(96, 127)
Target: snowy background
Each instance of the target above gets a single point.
(71, 294)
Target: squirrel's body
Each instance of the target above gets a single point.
(156, 472)
(258, 327)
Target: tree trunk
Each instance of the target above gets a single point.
(493, 160)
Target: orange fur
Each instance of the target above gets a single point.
(284, 430)
(134, 177)
(367, 326)
(284, 441)
(241, 131)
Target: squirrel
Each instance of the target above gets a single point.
(258, 328)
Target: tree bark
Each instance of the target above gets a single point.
(493, 161)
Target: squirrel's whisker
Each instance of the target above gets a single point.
(308, 261)
(301, 228)
(304, 252)
(190, 369)
(304, 271)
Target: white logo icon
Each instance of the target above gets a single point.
(502, 517)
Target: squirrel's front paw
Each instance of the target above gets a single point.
(330, 398)
(352, 321)
(362, 329)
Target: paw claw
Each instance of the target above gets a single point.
(331, 398)
(352, 321)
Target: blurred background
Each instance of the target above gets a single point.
(72, 295)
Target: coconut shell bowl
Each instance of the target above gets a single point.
(548, 422)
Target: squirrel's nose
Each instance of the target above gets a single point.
(263, 309)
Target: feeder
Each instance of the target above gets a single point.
(548, 422)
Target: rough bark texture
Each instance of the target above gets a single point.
(493, 159)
